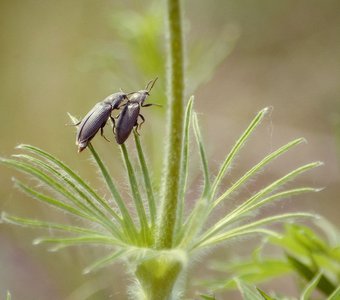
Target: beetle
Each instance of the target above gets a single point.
(96, 119)
(128, 118)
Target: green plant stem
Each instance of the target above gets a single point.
(173, 155)
(157, 277)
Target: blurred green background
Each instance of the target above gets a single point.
(64, 56)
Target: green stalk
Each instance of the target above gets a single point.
(157, 276)
(173, 155)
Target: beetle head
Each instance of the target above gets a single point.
(141, 95)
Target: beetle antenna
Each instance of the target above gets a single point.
(147, 86)
(153, 83)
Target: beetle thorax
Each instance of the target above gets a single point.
(139, 96)
(115, 99)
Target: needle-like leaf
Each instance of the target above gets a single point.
(147, 181)
(129, 228)
(184, 167)
(136, 195)
(213, 238)
(236, 148)
(256, 168)
(105, 261)
(73, 176)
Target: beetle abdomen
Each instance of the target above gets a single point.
(126, 121)
(92, 122)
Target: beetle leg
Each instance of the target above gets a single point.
(143, 120)
(113, 121)
(136, 130)
(113, 124)
(150, 104)
(102, 132)
(121, 105)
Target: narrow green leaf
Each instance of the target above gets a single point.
(129, 228)
(264, 295)
(236, 148)
(250, 206)
(76, 178)
(308, 290)
(65, 181)
(184, 168)
(236, 213)
(212, 236)
(8, 297)
(194, 223)
(271, 187)
(253, 171)
(324, 284)
(331, 232)
(203, 156)
(199, 214)
(147, 181)
(63, 242)
(105, 261)
(335, 295)
(45, 225)
(311, 249)
(136, 194)
(234, 234)
(253, 202)
(208, 297)
(280, 182)
(248, 291)
(250, 270)
(58, 187)
(54, 202)
(48, 180)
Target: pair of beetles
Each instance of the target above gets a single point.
(97, 117)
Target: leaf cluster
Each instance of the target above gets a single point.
(130, 232)
(311, 257)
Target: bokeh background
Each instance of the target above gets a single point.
(64, 56)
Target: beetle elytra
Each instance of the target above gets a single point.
(96, 119)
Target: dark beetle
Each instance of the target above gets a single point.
(128, 118)
(97, 118)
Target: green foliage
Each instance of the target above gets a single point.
(131, 235)
(308, 255)
(207, 297)
(335, 295)
(138, 50)
(158, 241)
(250, 292)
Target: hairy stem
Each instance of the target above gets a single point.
(172, 156)
(157, 277)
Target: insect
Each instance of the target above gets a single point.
(96, 119)
(128, 118)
